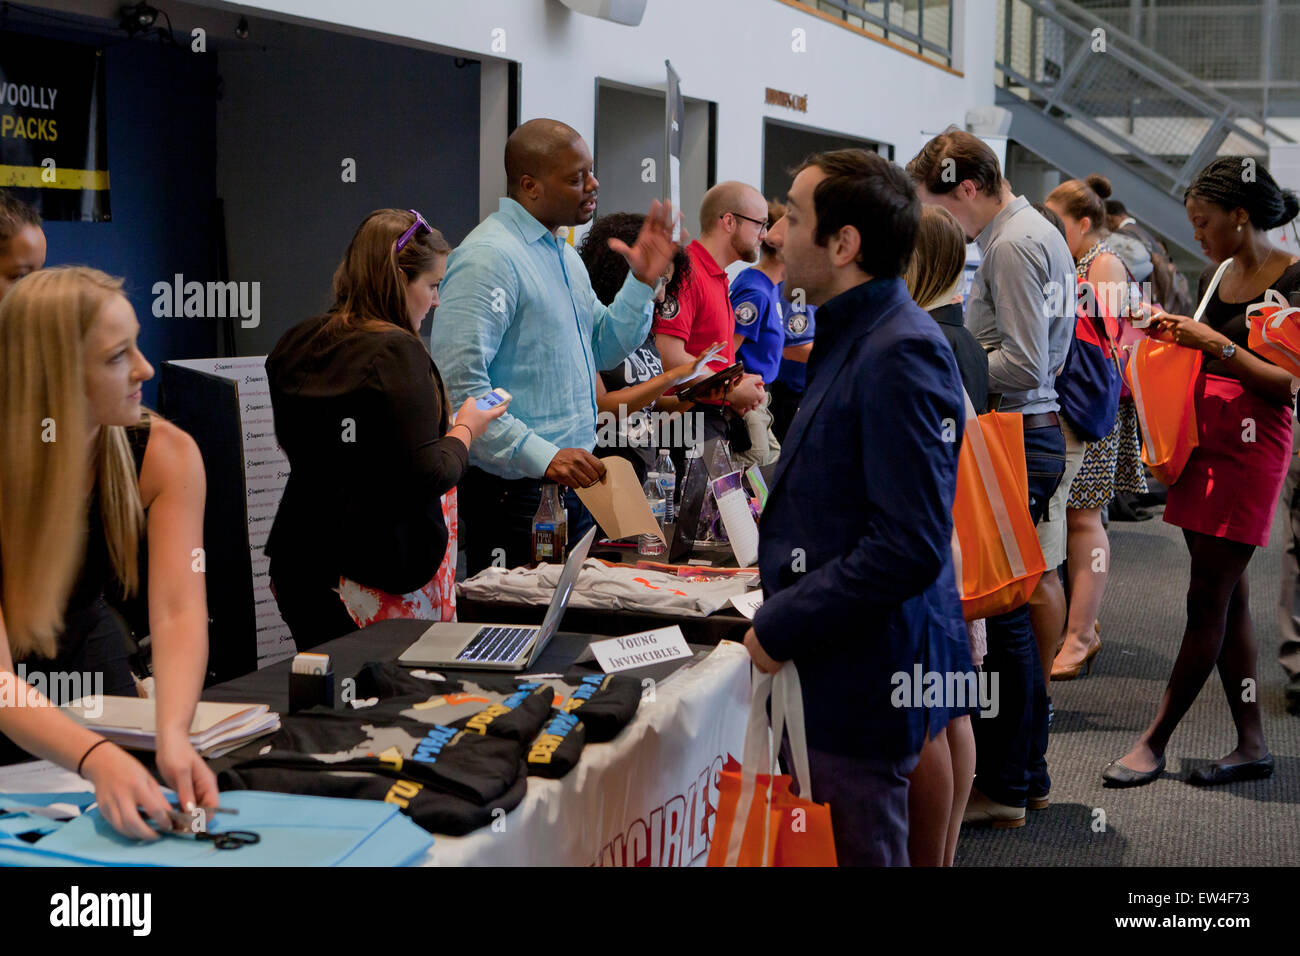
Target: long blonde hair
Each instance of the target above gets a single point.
(45, 431)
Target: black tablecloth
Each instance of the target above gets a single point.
(386, 640)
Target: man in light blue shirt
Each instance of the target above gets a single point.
(518, 312)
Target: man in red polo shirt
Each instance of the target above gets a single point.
(733, 218)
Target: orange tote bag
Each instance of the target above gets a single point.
(1162, 377)
(995, 549)
(1275, 331)
(778, 828)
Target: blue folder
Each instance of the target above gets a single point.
(294, 831)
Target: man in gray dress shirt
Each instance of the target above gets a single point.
(1021, 309)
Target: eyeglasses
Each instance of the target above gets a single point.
(763, 224)
(406, 236)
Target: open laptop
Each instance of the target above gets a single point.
(498, 647)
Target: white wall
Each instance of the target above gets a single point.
(631, 129)
(727, 51)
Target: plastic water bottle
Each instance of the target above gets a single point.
(667, 484)
(648, 544)
(694, 463)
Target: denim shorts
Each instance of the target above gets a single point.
(1045, 461)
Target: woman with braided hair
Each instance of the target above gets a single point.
(1225, 497)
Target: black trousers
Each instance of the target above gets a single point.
(496, 516)
(310, 605)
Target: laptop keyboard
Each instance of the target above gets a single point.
(497, 644)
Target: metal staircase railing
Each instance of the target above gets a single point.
(1127, 100)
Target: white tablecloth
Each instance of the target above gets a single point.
(646, 798)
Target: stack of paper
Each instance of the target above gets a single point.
(216, 730)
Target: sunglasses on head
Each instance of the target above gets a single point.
(406, 236)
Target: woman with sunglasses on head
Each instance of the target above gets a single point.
(84, 476)
(1227, 492)
(361, 413)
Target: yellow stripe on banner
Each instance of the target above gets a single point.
(37, 177)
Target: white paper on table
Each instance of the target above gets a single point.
(41, 776)
(749, 602)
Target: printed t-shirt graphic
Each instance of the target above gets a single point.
(603, 703)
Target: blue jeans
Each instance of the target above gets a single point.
(497, 515)
(1010, 749)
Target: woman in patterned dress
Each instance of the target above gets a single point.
(1113, 463)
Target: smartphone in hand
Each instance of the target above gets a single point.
(498, 396)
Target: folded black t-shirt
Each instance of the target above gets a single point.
(603, 704)
(433, 809)
(384, 741)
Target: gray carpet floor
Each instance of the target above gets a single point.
(1098, 717)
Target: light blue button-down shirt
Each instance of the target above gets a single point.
(517, 311)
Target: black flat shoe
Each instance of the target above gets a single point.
(1217, 773)
(1118, 775)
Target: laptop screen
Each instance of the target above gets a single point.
(564, 587)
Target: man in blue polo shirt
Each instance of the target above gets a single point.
(787, 391)
(756, 303)
(760, 333)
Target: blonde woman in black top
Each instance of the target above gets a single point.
(83, 478)
(361, 413)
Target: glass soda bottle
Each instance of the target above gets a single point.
(550, 527)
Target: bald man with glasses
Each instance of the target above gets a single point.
(733, 221)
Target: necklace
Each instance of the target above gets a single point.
(1263, 262)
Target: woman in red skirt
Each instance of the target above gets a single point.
(1225, 497)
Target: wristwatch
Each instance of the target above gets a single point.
(1229, 351)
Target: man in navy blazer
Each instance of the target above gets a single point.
(855, 541)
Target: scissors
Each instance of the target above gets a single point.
(227, 840)
(183, 826)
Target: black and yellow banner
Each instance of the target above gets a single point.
(53, 128)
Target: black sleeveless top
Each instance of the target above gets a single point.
(1229, 318)
(96, 576)
(92, 640)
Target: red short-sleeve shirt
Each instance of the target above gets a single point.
(702, 313)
